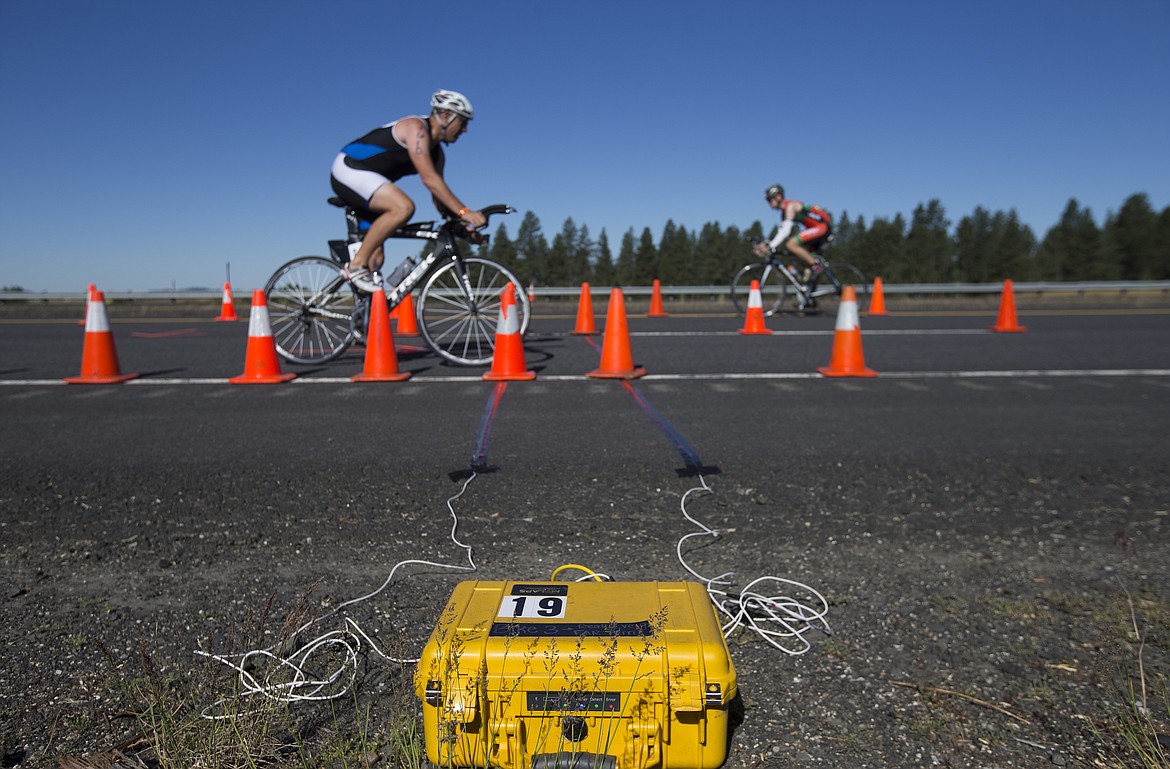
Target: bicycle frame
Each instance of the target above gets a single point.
(444, 238)
(810, 290)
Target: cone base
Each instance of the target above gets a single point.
(522, 376)
(223, 318)
(876, 313)
(100, 379)
(755, 331)
(863, 372)
(400, 376)
(1007, 329)
(633, 373)
(659, 314)
(262, 379)
(594, 332)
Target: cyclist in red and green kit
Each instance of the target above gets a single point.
(815, 227)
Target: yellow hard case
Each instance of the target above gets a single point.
(576, 675)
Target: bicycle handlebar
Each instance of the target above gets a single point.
(497, 208)
(429, 231)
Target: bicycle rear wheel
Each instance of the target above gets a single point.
(309, 307)
(828, 294)
(462, 329)
(774, 287)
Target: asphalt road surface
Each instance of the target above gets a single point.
(1092, 384)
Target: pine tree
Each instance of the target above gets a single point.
(626, 272)
(676, 256)
(532, 249)
(503, 249)
(1015, 250)
(645, 259)
(929, 251)
(1132, 238)
(603, 267)
(1161, 261)
(1072, 249)
(581, 257)
(560, 254)
(883, 247)
(974, 243)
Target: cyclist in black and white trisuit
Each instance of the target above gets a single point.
(365, 171)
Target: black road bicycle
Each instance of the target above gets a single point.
(316, 314)
(779, 281)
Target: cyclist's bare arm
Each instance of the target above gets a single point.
(418, 143)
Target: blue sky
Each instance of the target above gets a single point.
(149, 144)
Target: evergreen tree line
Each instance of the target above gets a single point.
(985, 247)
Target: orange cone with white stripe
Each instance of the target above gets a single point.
(847, 357)
(227, 309)
(754, 321)
(381, 363)
(261, 365)
(407, 323)
(877, 302)
(1006, 323)
(508, 356)
(656, 308)
(99, 358)
(617, 360)
(585, 322)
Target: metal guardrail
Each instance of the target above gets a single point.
(1117, 286)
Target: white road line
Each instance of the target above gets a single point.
(763, 376)
(824, 332)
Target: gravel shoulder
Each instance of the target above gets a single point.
(980, 621)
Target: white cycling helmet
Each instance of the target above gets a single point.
(452, 101)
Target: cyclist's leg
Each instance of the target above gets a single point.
(802, 243)
(379, 200)
(394, 209)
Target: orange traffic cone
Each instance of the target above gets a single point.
(407, 323)
(656, 308)
(877, 302)
(228, 307)
(381, 358)
(99, 359)
(847, 358)
(508, 357)
(1007, 323)
(754, 321)
(260, 364)
(531, 291)
(585, 324)
(617, 361)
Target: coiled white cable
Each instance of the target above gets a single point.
(782, 620)
(289, 678)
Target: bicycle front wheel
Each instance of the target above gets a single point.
(774, 287)
(461, 326)
(309, 307)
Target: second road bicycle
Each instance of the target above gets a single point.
(784, 286)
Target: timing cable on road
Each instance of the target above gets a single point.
(782, 618)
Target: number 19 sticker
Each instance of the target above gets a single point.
(533, 607)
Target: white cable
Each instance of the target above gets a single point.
(782, 620)
(287, 679)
